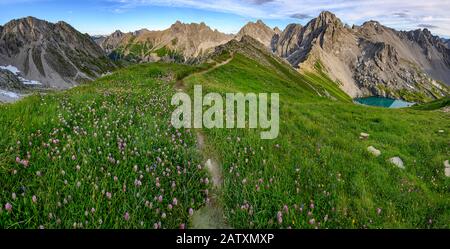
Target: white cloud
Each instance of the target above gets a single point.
(399, 14)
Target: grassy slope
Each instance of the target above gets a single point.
(318, 158)
(318, 172)
(111, 126)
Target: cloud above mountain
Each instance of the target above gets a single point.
(398, 14)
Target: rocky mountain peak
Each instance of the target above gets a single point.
(260, 22)
(141, 31)
(326, 17)
(117, 33)
(54, 54)
(28, 27)
(259, 31)
(277, 30)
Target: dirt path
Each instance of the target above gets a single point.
(210, 216)
(180, 86)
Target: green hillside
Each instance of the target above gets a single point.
(104, 155)
(318, 173)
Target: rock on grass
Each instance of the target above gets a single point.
(447, 168)
(363, 136)
(397, 161)
(373, 151)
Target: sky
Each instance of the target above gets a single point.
(101, 17)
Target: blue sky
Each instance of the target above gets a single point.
(106, 16)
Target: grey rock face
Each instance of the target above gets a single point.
(9, 81)
(370, 59)
(185, 41)
(55, 54)
(259, 31)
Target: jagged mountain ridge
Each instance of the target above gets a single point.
(180, 42)
(370, 59)
(188, 41)
(54, 54)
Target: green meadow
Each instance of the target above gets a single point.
(104, 155)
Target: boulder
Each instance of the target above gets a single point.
(397, 161)
(373, 151)
(363, 136)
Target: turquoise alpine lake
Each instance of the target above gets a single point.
(383, 102)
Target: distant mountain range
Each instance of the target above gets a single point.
(181, 42)
(365, 60)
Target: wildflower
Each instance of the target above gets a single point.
(126, 216)
(160, 198)
(137, 183)
(78, 184)
(73, 157)
(8, 207)
(163, 215)
(279, 217)
(169, 206)
(108, 195)
(191, 211)
(78, 167)
(182, 226)
(13, 196)
(24, 163)
(285, 209)
(92, 210)
(38, 173)
(311, 221)
(34, 199)
(116, 178)
(378, 211)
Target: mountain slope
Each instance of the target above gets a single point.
(310, 84)
(56, 55)
(318, 173)
(181, 42)
(371, 59)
